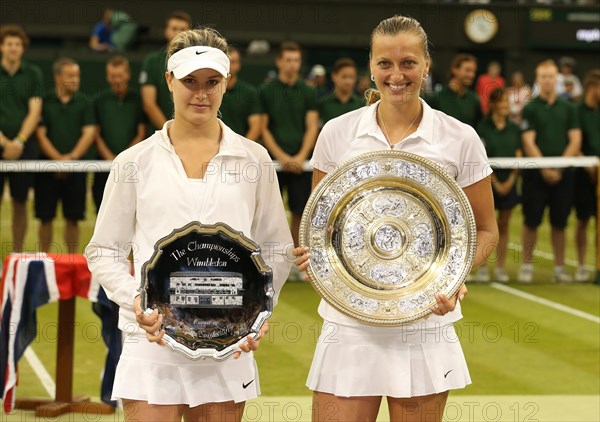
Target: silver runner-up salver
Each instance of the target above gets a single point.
(212, 287)
(387, 231)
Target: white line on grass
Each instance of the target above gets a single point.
(549, 303)
(39, 369)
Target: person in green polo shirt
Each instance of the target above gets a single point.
(550, 128)
(20, 110)
(290, 127)
(457, 99)
(342, 99)
(119, 119)
(65, 133)
(586, 179)
(240, 109)
(502, 138)
(156, 97)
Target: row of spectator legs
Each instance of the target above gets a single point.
(19, 228)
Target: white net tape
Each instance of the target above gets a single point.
(89, 166)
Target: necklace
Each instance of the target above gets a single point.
(385, 132)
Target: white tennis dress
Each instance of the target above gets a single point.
(422, 358)
(147, 196)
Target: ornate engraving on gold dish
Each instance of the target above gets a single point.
(386, 231)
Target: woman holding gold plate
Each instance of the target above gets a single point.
(414, 365)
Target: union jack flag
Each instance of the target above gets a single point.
(32, 280)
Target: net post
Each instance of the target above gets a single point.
(597, 224)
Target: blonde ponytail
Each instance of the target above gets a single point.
(372, 95)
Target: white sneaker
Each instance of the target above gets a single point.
(525, 273)
(582, 274)
(480, 276)
(501, 276)
(561, 275)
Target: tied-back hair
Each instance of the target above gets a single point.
(207, 37)
(395, 25)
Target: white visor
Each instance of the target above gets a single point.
(191, 59)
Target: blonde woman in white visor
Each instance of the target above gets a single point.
(413, 366)
(194, 169)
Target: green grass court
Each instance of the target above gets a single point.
(532, 357)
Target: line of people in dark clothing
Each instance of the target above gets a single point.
(286, 114)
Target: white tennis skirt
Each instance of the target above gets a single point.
(158, 375)
(398, 362)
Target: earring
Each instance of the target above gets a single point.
(373, 78)
(426, 76)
